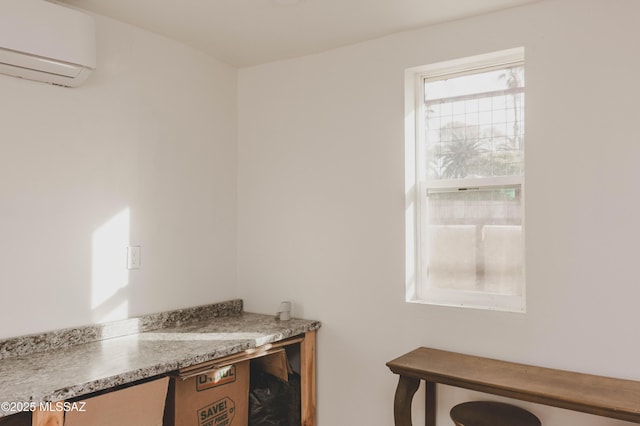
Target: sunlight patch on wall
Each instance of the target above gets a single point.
(109, 274)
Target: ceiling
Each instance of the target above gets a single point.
(250, 32)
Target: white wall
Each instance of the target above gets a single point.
(321, 204)
(144, 154)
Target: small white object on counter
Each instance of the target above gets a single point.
(285, 311)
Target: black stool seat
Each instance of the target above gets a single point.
(489, 413)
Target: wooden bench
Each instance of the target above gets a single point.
(602, 396)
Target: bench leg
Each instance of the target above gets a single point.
(430, 404)
(407, 387)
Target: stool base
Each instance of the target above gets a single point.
(490, 413)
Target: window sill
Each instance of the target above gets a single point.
(472, 300)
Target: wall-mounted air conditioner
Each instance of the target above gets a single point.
(47, 42)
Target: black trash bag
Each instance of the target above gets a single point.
(272, 401)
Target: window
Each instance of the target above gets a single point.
(465, 182)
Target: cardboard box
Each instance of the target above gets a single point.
(140, 405)
(218, 397)
(275, 363)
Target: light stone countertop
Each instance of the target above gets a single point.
(62, 372)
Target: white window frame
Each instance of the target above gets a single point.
(416, 188)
